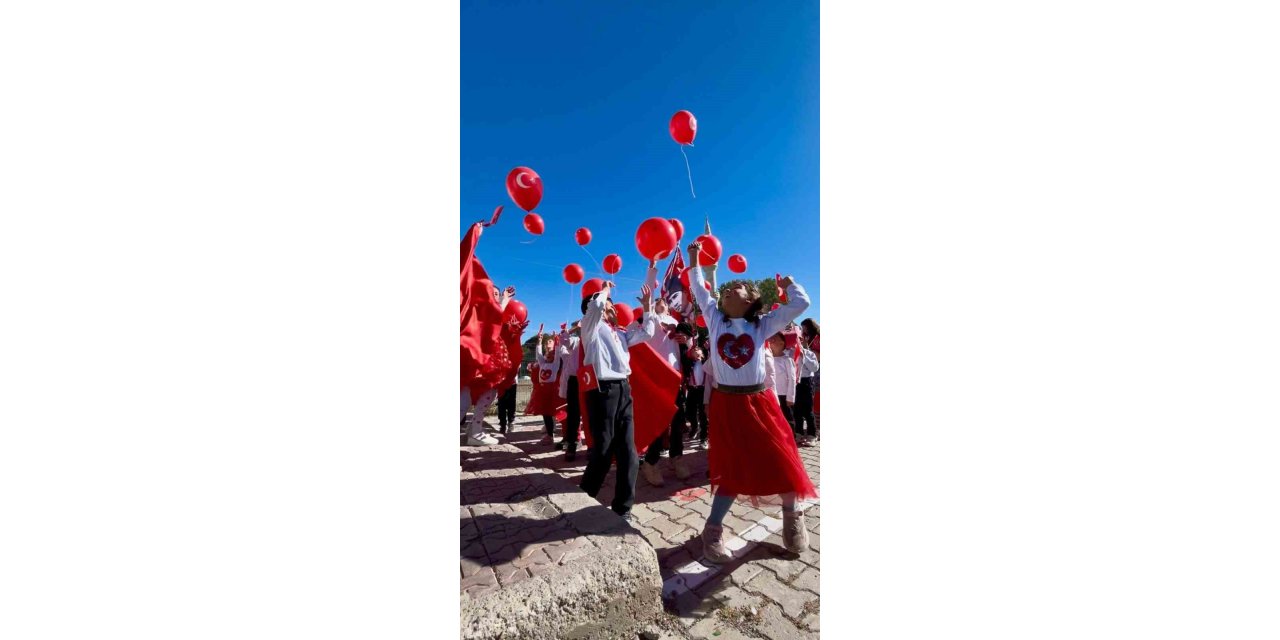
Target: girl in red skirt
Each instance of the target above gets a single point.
(753, 453)
(545, 400)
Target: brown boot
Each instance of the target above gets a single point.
(794, 533)
(713, 548)
(682, 469)
(651, 473)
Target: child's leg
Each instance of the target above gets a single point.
(549, 422)
(789, 501)
(719, 509)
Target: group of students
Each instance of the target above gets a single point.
(746, 394)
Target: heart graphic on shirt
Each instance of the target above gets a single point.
(736, 350)
(546, 375)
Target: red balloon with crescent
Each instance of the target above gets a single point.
(573, 274)
(533, 224)
(683, 127)
(516, 311)
(655, 239)
(612, 264)
(525, 187)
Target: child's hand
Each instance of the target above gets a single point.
(510, 292)
(785, 282)
(695, 248)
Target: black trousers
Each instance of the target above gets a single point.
(507, 407)
(609, 413)
(549, 423)
(803, 411)
(574, 414)
(696, 412)
(674, 435)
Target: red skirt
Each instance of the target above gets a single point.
(752, 452)
(545, 400)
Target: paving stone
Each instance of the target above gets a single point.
(712, 628)
(811, 621)
(791, 599)
(775, 626)
(666, 528)
(807, 579)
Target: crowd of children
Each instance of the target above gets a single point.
(746, 393)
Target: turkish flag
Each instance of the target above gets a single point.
(480, 317)
(654, 387)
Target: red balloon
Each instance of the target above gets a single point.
(592, 287)
(774, 307)
(737, 263)
(711, 249)
(583, 236)
(573, 274)
(625, 315)
(525, 187)
(655, 239)
(533, 224)
(702, 322)
(679, 227)
(612, 263)
(683, 127)
(515, 311)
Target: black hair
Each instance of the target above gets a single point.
(685, 328)
(586, 301)
(811, 326)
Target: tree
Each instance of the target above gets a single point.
(530, 350)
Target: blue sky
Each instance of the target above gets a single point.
(582, 91)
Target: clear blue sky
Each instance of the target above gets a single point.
(582, 91)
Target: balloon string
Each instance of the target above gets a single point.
(688, 170)
(593, 260)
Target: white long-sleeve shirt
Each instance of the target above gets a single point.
(784, 375)
(568, 356)
(738, 346)
(808, 363)
(604, 347)
(548, 367)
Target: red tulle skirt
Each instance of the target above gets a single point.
(752, 452)
(545, 400)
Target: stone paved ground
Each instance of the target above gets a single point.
(763, 593)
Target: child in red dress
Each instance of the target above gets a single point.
(545, 400)
(753, 453)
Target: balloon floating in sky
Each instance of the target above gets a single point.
(583, 236)
(683, 127)
(516, 311)
(525, 187)
(573, 274)
(679, 227)
(592, 287)
(655, 238)
(737, 263)
(533, 224)
(612, 264)
(711, 249)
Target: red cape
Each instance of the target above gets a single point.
(654, 387)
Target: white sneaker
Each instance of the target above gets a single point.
(483, 440)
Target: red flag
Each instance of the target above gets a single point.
(480, 317)
(654, 387)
